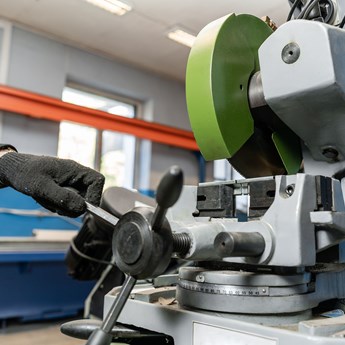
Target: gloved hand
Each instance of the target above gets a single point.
(44, 179)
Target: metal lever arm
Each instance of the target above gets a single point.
(102, 335)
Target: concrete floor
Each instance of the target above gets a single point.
(37, 334)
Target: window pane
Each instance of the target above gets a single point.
(110, 152)
(77, 142)
(90, 100)
(117, 161)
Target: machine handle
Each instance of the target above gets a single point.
(168, 192)
(102, 335)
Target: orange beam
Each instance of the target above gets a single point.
(48, 108)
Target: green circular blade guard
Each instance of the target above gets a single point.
(220, 65)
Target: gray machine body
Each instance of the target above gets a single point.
(197, 327)
(308, 94)
(289, 220)
(226, 307)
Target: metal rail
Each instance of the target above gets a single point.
(44, 107)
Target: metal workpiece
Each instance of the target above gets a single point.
(231, 244)
(101, 214)
(311, 103)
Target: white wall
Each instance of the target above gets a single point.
(43, 65)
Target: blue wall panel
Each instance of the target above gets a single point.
(35, 285)
(20, 225)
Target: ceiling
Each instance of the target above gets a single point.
(137, 37)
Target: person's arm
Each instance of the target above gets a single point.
(46, 178)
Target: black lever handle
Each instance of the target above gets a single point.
(102, 335)
(168, 192)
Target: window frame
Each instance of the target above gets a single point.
(138, 111)
(138, 105)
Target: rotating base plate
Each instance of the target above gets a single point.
(242, 292)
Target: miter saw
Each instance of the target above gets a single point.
(272, 102)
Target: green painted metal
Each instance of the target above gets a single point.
(221, 62)
(288, 146)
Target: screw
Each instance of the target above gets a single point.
(330, 152)
(289, 190)
(200, 279)
(291, 53)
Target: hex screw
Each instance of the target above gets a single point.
(289, 190)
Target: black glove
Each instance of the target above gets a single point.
(43, 178)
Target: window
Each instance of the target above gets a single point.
(110, 152)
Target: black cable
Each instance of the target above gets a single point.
(307, 9)
(310, 8)
(90, 258)
(293, 8)
(300, 16)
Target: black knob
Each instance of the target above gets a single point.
(168, 192)
(170, 187)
